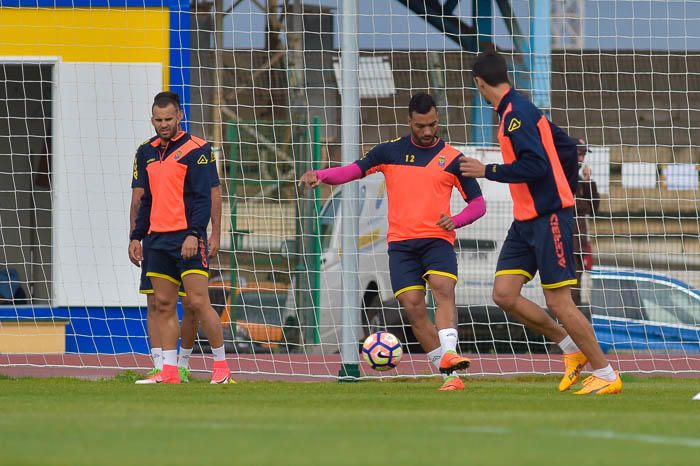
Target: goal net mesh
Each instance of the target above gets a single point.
(262, 83)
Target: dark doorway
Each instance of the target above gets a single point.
(25, 182)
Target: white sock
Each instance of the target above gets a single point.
(157, 356)
(568, 346)
(448, 339)
(606, 373)
(434, 357)
(219, 353)
(170, 357)
(183, 359)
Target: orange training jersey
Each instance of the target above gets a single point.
(419, 183)
(177, 181)
(538, 183)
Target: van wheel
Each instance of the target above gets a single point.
(291, 333)
(372, 316)
(229, 339)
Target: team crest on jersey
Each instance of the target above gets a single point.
(441, 161)
(178, 155)
(202, 160)
(513, 125)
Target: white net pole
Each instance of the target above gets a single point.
(350, 117)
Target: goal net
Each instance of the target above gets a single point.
(263, 82)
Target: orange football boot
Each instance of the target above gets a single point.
(451, 361)
(452, 383)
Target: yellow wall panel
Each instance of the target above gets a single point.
(88, 35)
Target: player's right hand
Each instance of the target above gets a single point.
(189, 247)
(135, 252)
(309, 179)
(586, 173)
(472, 168)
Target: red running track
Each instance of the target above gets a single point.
(317, 367)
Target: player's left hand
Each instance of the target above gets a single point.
(214, 242)
(446, 223)
(189, 247)
(472, 168)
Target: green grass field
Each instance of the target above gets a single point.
(505, 421)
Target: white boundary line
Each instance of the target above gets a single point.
(691, 442)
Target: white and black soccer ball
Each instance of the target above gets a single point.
(382, 351)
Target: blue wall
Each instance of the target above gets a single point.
(104, 330)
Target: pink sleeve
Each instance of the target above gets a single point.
(340, 175)
(473, 211)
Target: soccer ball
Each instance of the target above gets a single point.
(382, 351)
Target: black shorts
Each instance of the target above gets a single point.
(170, 265)
(146, 287)
(411, 261)
(544, 244)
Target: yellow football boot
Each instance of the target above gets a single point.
(573, 365)
(596, 386)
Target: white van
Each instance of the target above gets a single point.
(482, 326)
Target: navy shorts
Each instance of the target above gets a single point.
(411, 261)
(544, 244)
(170, 265)
(146, 287)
